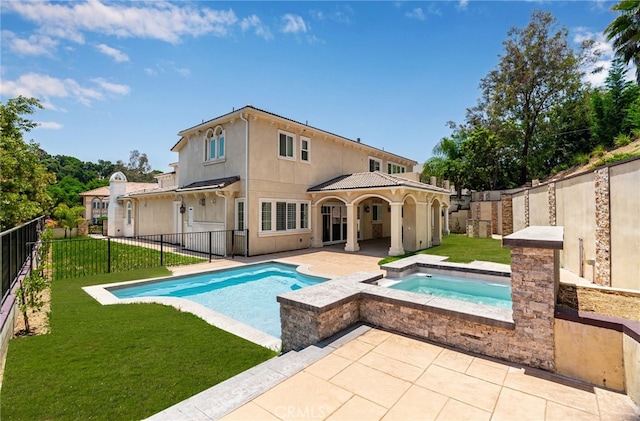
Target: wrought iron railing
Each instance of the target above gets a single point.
(16, 246)
(84, 256)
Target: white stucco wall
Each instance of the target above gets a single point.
(624, 182)
(538, 206)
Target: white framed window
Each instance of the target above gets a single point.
(289, 216)
(105, 205)
(376, 213)
(305, 144)
(96, 204)
(240, 218)
(286, 145)
(304, 216)
(214, 145)
(395, 168)
(129, 213)
(374, 164)
(265, 216)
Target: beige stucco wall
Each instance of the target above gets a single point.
(590, 353)
(518, 212)
(154, 216)
(575, 211)
(631, 351)
(538, 206)
(624, 182)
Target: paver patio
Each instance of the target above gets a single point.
(371, 374)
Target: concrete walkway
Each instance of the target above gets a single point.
(371, 374)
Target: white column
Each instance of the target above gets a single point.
(316, 220)
(396, 230)
(445, 229)
(352, 228)
(429, 219)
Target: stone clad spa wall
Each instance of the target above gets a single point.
(524, 336)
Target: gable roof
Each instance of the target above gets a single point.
(371, 180)
(246, 108)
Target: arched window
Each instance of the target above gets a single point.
(95, 204)
(129, 212)
(214, 144)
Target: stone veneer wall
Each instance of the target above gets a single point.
(315, 313)
(551, 191)
(507, 214)
(603, 228)
(494, 217)
(526, 208)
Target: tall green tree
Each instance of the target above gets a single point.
(23, 179)
(610, 105)
(537, 71)
(624, 31)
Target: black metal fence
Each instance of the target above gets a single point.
(16, 245)
(84, 256)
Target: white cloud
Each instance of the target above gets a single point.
(293, 24)
(159, 20)
(112, 87)
(35, 45)
(167, 67)
(416, 13)
(114, 53)
(259, 28)
(49, 125)
(341, 14)
(46, 87)
(606, 55)
(462, 4)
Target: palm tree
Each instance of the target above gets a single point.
(625, 33)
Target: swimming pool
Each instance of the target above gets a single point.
(246, 294)
(466, 289)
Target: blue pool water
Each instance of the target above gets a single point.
(246, 294)
(476, 291)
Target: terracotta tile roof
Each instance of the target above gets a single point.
(370, 180)
(130, 188)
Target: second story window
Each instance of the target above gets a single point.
(374, 164)
(285, 145)
(96, 204)
(304, 149)
(395, 168)
(214, 144)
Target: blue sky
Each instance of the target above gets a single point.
(119, 76)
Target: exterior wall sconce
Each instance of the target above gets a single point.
(203, 201)
(367, 208)
(182, 208)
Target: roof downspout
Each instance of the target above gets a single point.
(246, 177)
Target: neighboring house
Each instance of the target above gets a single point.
(290, 185)
(96, 201)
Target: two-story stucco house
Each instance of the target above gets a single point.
(290, 185)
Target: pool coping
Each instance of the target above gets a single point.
(101, 293)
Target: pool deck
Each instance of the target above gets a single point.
(371, 374)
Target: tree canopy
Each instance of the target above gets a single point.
(624, 31)
(23, 179)
(536, 114)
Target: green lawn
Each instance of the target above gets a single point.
(118, 362)
(462, 249)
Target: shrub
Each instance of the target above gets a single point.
(599, 152)
(621, 140)
(581, 159)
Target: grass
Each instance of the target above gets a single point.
(83, 256)
(462, 249)
(118, 361)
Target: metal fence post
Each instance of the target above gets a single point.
(210, 244)
(108, 255)
(161, 249)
